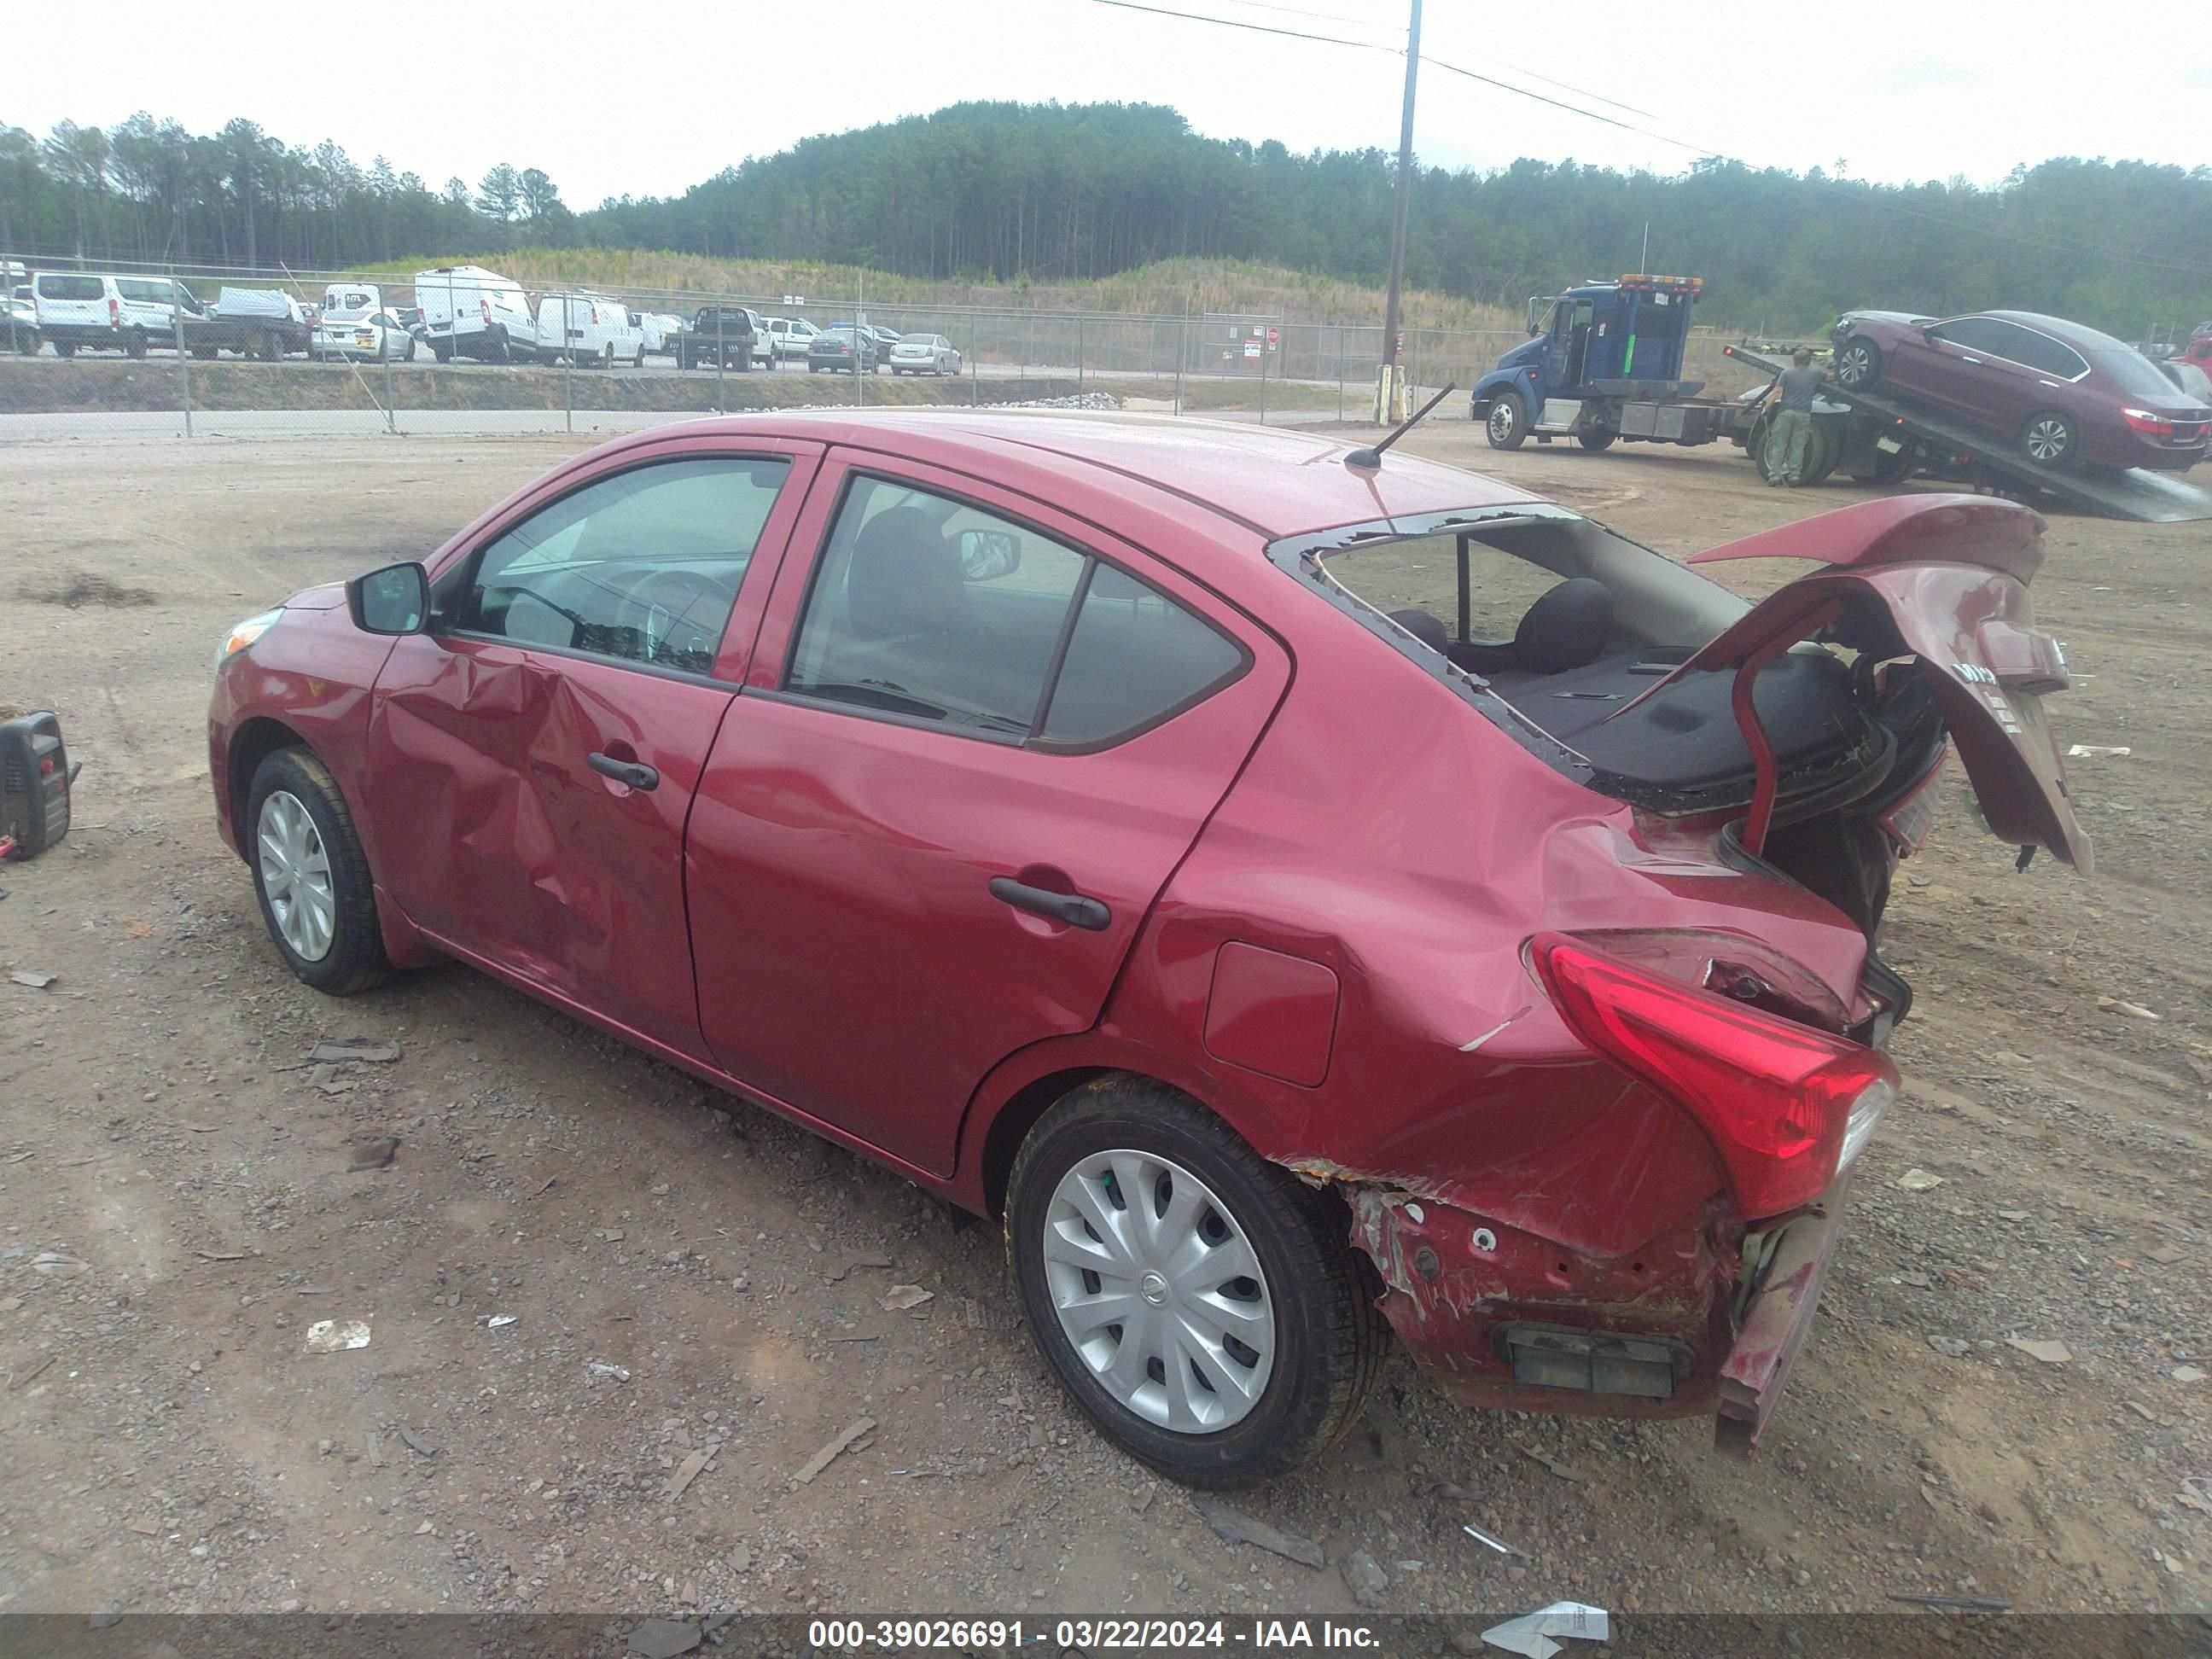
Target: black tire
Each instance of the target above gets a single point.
(355, 959)
(27, 343)
(1506, 426)
(1824, 448)
(204, 353)
(441, 351)
(1330, 1334)
(2049, 438)
(65, 347)
(638, 361)
(499, 351)
(271, 348)
(1597, 442)
(412, 344)
(1858, 365)
(135, 346)
(1890, 469)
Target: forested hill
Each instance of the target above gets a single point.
(1086, 190)
(1001, 191)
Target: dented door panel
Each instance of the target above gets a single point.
(517, 850)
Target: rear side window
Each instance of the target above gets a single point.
(69, 287)
(1136, 656)
(927, 608)
(143, 292)
(642, 567)
(2040, 351)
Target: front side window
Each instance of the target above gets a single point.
(1981, 334)
(929, 609)
(643, 567)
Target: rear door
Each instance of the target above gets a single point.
(977, 738)
(536, 754)
(1949, 365)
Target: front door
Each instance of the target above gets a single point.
(970, 752)
(543, 745)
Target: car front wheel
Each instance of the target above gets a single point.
(1858, 365)
(311, 876)
(1200, 1304)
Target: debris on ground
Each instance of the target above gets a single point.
(416, 1443)
(497, 1322)
(1235, 1527)
(23, 1378)
(2132, 1009)
(1964, 1603)
(54, 1264)
(664, 1638)
(903, 1296)
(857, 1263)
(1919, 1181)
(336, 1335)
(1532, 1633)
(375, 1154)
(1564, 1471)
(600, 1368)
(1951, 1347)
(1364, 1578)
(2049, 1351)
(2098, 751)
(687, 1471)
(36, 981)
(1496, 1543)
(823, 1459)
(2189, 1373)
(360, 1048)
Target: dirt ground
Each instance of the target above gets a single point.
(166, 1444)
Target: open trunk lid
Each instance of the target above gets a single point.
(1942, 579)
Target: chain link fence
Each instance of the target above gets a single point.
(363, 352)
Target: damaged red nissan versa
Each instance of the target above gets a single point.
(1296, 894)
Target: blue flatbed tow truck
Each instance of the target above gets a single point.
(1603, 365)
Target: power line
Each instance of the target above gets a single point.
(1571, 109)
(1236, 23)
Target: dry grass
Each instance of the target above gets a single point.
(1172, 287)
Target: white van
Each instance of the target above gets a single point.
(100, 312)
(589, 329)
(470, 312)
(352, 296)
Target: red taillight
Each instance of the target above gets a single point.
(2141, 420)
(1776, 1096)
(114, 314)
(484, 305)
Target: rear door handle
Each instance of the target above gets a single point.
(636, 774)
(1073, 908)
(1976, 362)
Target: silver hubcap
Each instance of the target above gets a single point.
(295, 875)
(1501, 421)
(1853, 369)
(1159, 1291)
(2046, 441)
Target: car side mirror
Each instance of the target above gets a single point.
(393, 600)
(988, 555)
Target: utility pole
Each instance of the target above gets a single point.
(1389, 384)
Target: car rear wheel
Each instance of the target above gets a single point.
(1507, 423)
(2049, 438)
(65, 347)
(410, 349)
(136, 345)
(1200, 1304)
(312, 877)
(1858, 365)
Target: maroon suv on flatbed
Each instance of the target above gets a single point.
(1299, 900)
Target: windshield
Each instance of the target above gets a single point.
(2134, 373)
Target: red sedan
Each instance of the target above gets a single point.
(1299, 899)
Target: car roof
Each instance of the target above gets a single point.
(1274, 481)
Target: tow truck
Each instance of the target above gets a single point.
(1602, 366)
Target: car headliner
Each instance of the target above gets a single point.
(1275, 481)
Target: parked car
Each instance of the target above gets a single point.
(376, 335)
(22, 334)
(659, 329)
(590, 329)
(1084, 849)
(98, 311)
(410, 318)
(788, 336)
(350, 296)
(2061, 392)
(471, 312)
(838, 349)
(924, 354)
(253, 322)
(2188, 377)
(719, 334)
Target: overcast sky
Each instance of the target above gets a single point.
(645, 100)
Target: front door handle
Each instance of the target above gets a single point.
(636, 774)
(1073, 908)
(1976, 362)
